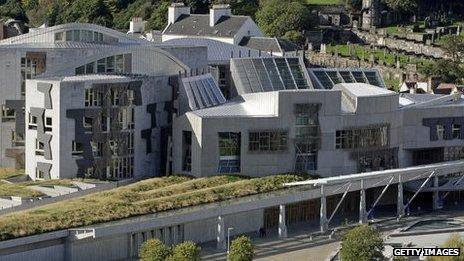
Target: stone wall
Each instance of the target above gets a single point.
(407, 45)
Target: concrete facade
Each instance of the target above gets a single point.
(411, 127)
(119, 134)
(76, 49)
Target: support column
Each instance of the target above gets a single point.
(436, 193)
(221, 236)
(400, 202)
(282, 222)
(323, 211)
(362, 204)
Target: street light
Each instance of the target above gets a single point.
(228, 239)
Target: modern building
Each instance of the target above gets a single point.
(97, 126)
(73, 50)
(281, 122)
(218, 25)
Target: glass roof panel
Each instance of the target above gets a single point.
(285, 73)
(273, 74)
(358, 76)
(324, 79)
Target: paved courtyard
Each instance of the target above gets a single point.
(301, 246)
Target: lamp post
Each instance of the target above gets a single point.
(228, 239)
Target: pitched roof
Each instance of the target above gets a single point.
(217, 51)
(198, 25)
(269, 44)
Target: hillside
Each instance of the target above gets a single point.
(110, 13)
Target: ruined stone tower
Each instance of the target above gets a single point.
(371, 14)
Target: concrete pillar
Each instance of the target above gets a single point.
(400, 203)
(282, 222)
(221, 235)
(436, 193)
(362, 204)
(323, 211)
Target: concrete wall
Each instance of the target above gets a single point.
(406, 132)
(123, 246)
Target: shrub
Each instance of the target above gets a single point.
(186, 251)
(241, 249)
(362, 243)
(154, 250)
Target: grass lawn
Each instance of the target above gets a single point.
(323, 2)
(145, 197)
(17, 190)
(9, 172)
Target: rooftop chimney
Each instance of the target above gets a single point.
(217, 12)
(176, 10)
(137, 25)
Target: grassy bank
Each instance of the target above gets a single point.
(150, 196)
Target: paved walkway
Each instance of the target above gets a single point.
(301, 246)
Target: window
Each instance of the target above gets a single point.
(119, 63)
(77, 148)
(69, 36)
(87, 122)
(113, 147)
(456, 131)
(267, 141)
(97, 149)
(39, 174)
(90, 68)
(92, 98)
(28, 71)
(8, 114)
(17, 139)
(80, 70)
(130, 143)
(115, 100)
(101, 66)
(76, 35)
(104, 123)
(368, 137)
(306, 161)
(39, 148)
(453, 153)
(32, 122)
(59, 37)
(187, 151)
(110, 64)
(229, 152)
(121, 168)
(48, 123)
(440, 132)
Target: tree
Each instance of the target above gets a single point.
(296, 37)
(362, 243)
(13, 9)
(453, 45)
(154, 250)
(241, 7)
(159, 18)
(450, 71)
(241, 249)
(186, 251)
(277, 17)
(353, 5)
(402, 5)
(454, 241)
